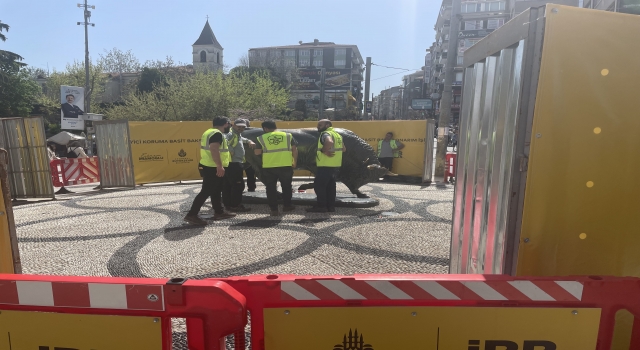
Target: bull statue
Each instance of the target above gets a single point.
(360, 164)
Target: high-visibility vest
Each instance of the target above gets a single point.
(276, 149)
(323, 160)
(235, 138)
(394, 147)
(205, 153)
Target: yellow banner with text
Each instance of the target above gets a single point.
(170, 151)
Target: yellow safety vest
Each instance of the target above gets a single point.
(205, 153)
(394, 147)
(276, 149)
(235, 138)
(323, 160)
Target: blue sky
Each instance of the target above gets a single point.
(392, 32)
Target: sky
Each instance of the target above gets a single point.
(393, 33)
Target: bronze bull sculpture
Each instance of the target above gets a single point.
(360, 165)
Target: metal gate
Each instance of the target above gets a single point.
(28, 168)
(114, 151)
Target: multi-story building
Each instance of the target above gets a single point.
(412, 85)
(389, 103)
(478, 18)
(343, 70)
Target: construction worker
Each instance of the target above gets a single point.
(214, 158)
(234, 181)
(248, 170)
(387, 150)
(279, 157)
(328, 161)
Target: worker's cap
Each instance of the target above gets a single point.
(240, 122)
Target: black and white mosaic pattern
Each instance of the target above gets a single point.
(140, 233)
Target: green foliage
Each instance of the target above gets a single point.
(150, 78)
(301, 105)
(74, 75)
(49, 109)
(204, 96)
(17, 93)
(9, 62)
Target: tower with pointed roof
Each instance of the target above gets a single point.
(207, 51)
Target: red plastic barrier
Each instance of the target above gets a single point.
(219, 308)
(450, 166)
(74, 171)
(609, 294)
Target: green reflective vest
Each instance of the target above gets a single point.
(394, 147)
(323, 160)
(276, 149)
(205, 153)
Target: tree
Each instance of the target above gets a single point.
(17, 90)
(150, 78)
(117, 61)
(9, 62)
(17, 93)
(205, 95)
(74, 75)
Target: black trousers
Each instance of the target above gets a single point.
(386, 162)
(211, 187)
(233, 185)
(270, 178)
(325, 187)
(251, 178)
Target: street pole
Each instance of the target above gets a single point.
(367, 83)
(87, 16)
(321, 111)
(447, 93)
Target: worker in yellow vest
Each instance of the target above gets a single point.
(279, 155)
(328, 162)
(214, 158)
(387, 150)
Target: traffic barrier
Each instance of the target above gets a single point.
(477, 312)
(74, 171)
(450, 166)
(44, 312)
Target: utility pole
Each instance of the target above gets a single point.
(447, 93)
(367, 83)
(87, 16)
(321, 111)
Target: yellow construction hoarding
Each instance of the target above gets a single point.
(170, 151)
(43, 330)
(377, 328)
(582, 200)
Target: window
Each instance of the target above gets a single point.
(317, 52)
(273, 53)
(473, 25)
(470, 7)
(290, 63)
(317, 62)
(203, 56)
(304, 62)
(495, 23)
(458, 76)
(341, 52)
(494, 6)
(290, 53)
(217, 57)
(263, 53)
(304, 52)
(460, 60)
(339, 63)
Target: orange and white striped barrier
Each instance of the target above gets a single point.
(74, 171)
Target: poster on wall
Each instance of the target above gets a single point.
(71, 105)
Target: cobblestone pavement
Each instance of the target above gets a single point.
(140, 233)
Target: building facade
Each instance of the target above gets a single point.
(343, 66)
(478, 18)
(207, 52)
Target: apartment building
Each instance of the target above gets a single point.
(343, 70)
